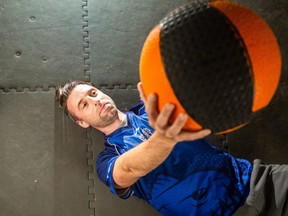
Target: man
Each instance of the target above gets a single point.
(175, 171)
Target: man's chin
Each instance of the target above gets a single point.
(108, 119)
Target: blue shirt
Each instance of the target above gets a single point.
(195, 179)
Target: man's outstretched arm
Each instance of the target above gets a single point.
(148, 155)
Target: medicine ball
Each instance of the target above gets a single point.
(218, 62)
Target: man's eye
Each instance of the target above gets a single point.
(93, 93)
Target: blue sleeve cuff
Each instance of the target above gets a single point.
(111, 184)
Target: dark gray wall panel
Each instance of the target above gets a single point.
(43, 162)
(34, 14)
(41, 43)
(44, 57)
(118, 30)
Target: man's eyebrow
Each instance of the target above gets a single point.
(87, 93)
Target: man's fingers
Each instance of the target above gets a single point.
(150, 104)
(162, 121)
(177, 126)
(185, 135)
(151, 108)
(141, 92)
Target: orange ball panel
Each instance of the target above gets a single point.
(262, 48)
(157, 82)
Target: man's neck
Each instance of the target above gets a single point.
(119, 122)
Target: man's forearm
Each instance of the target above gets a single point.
(142, 159)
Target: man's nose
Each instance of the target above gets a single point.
(94, 101)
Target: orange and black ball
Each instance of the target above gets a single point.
(218, 62)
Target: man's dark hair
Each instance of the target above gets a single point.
(62, 93)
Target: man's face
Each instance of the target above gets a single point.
(91, 107)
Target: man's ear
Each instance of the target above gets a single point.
(82, 124)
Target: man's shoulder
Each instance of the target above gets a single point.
(109, 151)
(139, 108)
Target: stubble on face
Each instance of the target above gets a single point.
(107, 116)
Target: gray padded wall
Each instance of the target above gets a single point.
(47, 163)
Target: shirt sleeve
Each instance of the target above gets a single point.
(105, 165)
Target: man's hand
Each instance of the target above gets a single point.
(160, 120)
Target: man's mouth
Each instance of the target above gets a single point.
(104, 107)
